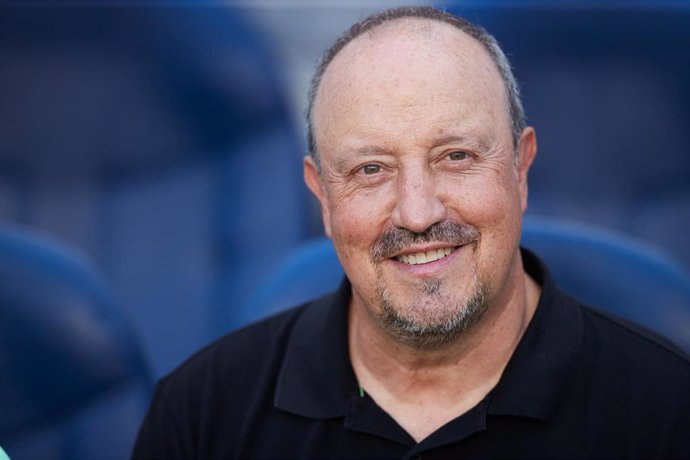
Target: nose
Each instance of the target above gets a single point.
(418, 204)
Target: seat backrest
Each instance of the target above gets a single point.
(615, 273)
(167, 151)
(609, 271)
(308, 271)
(71, 370)
(604, 160)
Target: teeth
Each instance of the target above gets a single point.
(424, 257)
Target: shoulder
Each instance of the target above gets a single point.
(229, 360)
(622, 339)
(634, 385)
(635, 363)
(195, 406)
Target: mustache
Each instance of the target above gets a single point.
(447, 232)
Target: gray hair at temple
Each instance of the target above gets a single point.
(516, 111)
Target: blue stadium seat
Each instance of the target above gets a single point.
(607, 85)
(159, 139)
(622, 276)
(73, 380)
(306, 272)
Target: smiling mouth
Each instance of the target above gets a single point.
(418, 258)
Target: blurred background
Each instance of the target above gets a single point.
(162, 141)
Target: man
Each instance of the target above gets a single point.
(445, 340)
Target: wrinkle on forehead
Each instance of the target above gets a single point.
(375, 66)
(440, 41)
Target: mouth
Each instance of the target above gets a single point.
(425, 257)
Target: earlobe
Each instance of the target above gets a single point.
(313, 180)
(527, 152)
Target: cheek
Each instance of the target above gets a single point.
(356, 223)
(358, 219)
(485, 200)
(492, 204)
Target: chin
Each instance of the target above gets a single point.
(434, 317)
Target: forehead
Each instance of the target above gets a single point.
(409, 70)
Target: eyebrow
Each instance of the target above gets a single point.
(341, 163)
(456, 139)
(443, 140)
(371, 150)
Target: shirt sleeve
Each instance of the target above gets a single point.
(160, 436)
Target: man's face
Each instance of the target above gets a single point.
(419, 186)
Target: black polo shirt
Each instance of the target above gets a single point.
(579, 385)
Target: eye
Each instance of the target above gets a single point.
(458, 155)
(371, 169)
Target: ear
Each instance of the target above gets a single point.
(527, 151)
(313, 180)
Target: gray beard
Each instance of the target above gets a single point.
(433, 332)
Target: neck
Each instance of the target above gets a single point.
(454, 377)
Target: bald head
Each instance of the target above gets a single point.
(404, 74)
(424, 24)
